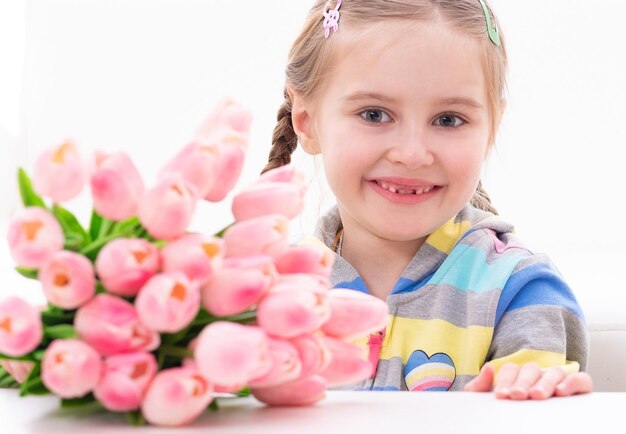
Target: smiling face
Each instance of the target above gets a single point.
(403, 127)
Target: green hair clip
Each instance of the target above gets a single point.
(491, 29)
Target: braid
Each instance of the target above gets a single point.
(481, 200)
(284, 139)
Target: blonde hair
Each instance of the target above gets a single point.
(311, 54)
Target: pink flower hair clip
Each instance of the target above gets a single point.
(331, 19)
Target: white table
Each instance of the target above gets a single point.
(345, 412)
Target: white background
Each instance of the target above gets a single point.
(139, 75)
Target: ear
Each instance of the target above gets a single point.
(302, 124)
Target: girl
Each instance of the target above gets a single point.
(403, 99)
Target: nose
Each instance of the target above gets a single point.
(411, 149)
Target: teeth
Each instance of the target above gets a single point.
(404, 190)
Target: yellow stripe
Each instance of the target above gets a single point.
(438, 336)
(545, 359)
(430, 373)
(444, 238)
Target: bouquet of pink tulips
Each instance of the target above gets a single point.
(150, 320)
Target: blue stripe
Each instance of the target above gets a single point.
(466, 269)
(357, 284)
(385, 389)
(404, 285)
(536, 285)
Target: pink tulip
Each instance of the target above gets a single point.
(111, 326)
(313, 282)
(231, 291)
(195, 163)
(166, 210)
(18, 370)
(226, 131)
(60, 173)
(348, 364)
(21, 330)
(168, 302)
(314, 355)
(286, 365)
(268, 198)
(231, 354)
(227, 114)
(124, 265)
(196, 255)
(265, 235)
(68, 280)
(125, 380)
(262, 263)
(176, 397)
(307, 259)
(284, 174)
(70, 368)
(305, 391)
(116, 186)
(292, 312)
(230, 158)
(34, 236)
(354, 314)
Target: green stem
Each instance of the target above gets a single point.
(242, 318)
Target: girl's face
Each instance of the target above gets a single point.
(402, 125)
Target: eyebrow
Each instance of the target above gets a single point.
(359, 96)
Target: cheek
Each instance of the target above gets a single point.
(464, 164)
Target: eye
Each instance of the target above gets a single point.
(449, 120)
(375, 115)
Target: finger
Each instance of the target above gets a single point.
(545, 387)
(573, 384)
(526, 378)
(505, 379)
(483, 382)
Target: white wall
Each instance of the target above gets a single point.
(140, 74)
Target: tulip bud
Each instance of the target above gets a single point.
(229, 163)
(348, 364)
(166, 210)
(196, 255)
(314, 355)
(354, 314)
(176, 397)
(116, 186)
(34, 236)
(68, 280)
(21, 330)
(168, 302)
(292, 312)
(265, 235)
(124, 265)
(111, 326)
(305, 391)
(268, 198)
(195, 163)
(306, 259)
(231, 354)
(70, 368)
(125, 380)
(286, 365)
(60, 173)
(231, 291)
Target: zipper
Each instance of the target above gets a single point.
(375, 343)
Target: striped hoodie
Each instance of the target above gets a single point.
(471, 294)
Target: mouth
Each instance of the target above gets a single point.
(405, 190)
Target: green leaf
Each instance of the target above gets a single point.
(78, 402)
(31, 273)
(126, 226)
(29, 197)
(135, 418)
(33, 384)
(71, 226)
(54, 316)
(74, 242)
(7, 381)
(243, 393)
(220, 233)
(213, 406)
(94, 224)
(61, 331)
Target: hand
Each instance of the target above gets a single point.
(529, 382)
